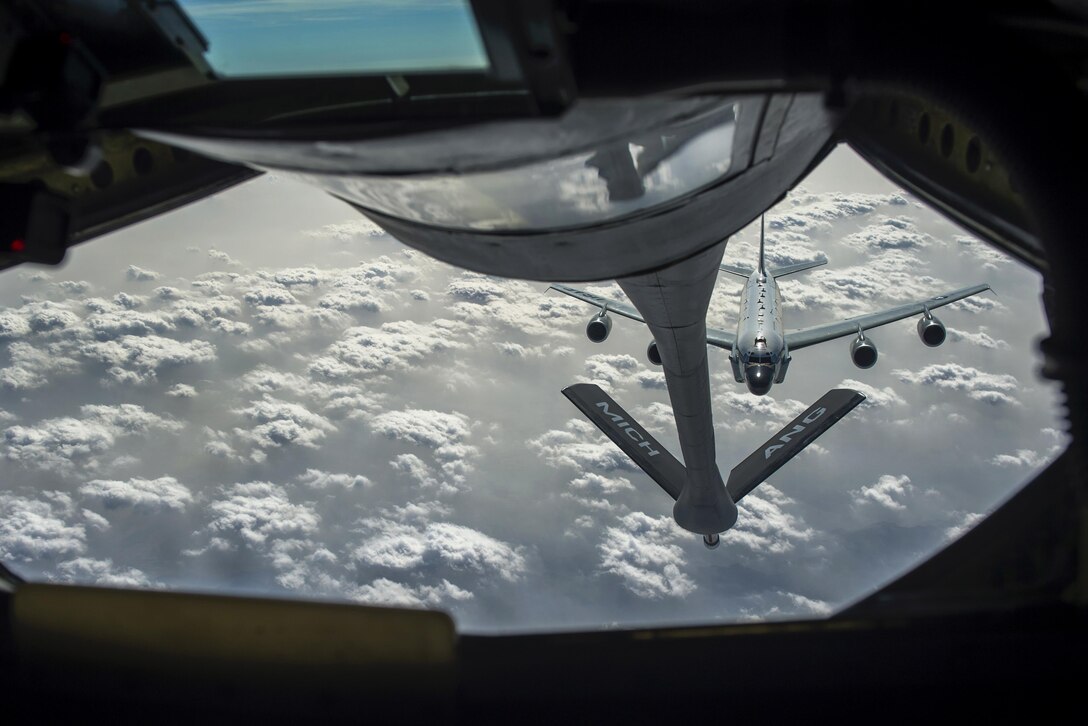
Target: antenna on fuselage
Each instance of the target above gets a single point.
(762, 269)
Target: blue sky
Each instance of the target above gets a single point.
(263, 37)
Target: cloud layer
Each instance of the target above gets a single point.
(347, 419)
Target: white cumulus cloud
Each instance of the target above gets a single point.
(889, 491)
(992, 388)
(317, 479)
(981, 338)
(384, 591)
(138, 359)
(181, 390)
(395, 346)
(874, 397)
(601, 484)
(164, 493)
(432, 429)
(641, 552)
(102, 572)
(60, 444)
(35, 529)
(141, 275)
(402, 547)
(253, 513)
(580, 447)
(277, 423)
(765, 525)
(611, 370)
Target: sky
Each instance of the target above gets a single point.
(265, 393)
(277, 37)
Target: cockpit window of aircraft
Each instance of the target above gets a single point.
(322, 37)
(277, 397)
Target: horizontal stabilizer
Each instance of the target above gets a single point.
(799, 267)
(627, 434)
(738, 271)
(790, 441)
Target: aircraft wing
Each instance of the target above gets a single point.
(625, 309)
(797, 339)
(720, 338)
(715, 337)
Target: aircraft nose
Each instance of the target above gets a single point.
(758, 378)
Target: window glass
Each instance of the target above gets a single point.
(265, 393)
(304, 37)
(611, 181)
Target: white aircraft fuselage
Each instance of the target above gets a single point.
(760, 356)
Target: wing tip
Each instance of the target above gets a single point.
(855, 394)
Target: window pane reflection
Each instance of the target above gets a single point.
(611, 181)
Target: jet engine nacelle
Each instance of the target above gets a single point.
(653, 354)
(863, 352)
(599, 328)
(931, 330)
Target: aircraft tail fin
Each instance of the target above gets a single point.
(632, 438)
(762, 267)
(799, 267)
(791, 440)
